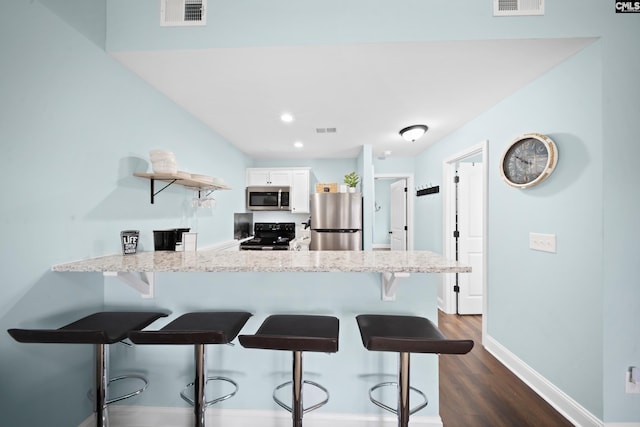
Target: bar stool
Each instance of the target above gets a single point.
(405, 335)
(296, 333)
(99, 329)
(198, 329)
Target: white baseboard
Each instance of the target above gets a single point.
(147, 416)
(562, 403)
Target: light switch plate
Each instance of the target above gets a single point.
(542, 242)
(632, 381)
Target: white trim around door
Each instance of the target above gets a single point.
(447, 302)
(410, 180)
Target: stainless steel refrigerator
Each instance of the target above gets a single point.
(336, 222)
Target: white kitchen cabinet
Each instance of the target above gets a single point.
(299, 196)
(266, 177)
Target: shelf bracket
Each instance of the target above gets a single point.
(390, 282)
(155, 193)
(141, 282)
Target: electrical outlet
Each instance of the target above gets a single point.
(542, 242)
(632, 380)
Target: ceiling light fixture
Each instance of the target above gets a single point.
(298, 144)
(286, 117)
(413, 132)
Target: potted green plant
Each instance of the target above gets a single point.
(351, 179)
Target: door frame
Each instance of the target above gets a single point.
(449, 206)
(409, 201)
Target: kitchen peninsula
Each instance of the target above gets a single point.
(338, 283)
(270, 261)
(392, 264)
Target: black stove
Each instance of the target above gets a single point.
(270, 236)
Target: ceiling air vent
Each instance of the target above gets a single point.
(181, 13)
(326, 130)
(518, 7)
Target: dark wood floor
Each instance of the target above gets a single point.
(478, 391)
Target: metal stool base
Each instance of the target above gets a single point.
(208, 403)
(305, 410)
(395, 410)
(144, 380)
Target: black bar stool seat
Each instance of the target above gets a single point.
(296, 333)
(100, 329)
(405, 335)
(199, 329)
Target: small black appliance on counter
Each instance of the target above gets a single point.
(270, 236)
(242, 225)
(167, 240)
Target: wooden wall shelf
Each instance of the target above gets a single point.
(170, 179)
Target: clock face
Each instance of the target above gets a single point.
(529, 160)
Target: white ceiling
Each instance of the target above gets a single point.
(368, 92)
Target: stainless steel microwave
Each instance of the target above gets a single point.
(268, 198)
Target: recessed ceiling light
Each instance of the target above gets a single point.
(286, 117)
(298, 144)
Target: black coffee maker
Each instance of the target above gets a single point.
(168, 240)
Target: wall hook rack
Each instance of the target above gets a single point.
(428, 190)
(207, 193)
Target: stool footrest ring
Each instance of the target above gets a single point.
(305, 410)
(145, 382)
(395, 410)
(212, 401)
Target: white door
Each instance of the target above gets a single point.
(470, 242)
(398, 214)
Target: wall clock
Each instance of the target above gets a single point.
(528, 160)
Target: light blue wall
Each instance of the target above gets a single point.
(428, 209)
(621, 210)
(89, 17)
(538, 303)
(134, 25)
(394, 165)
(381, 214)
(74, 126)
(348, 374)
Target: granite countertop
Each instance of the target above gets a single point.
(270, 261)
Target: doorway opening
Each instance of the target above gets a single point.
(393, 212)
(465, 189)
